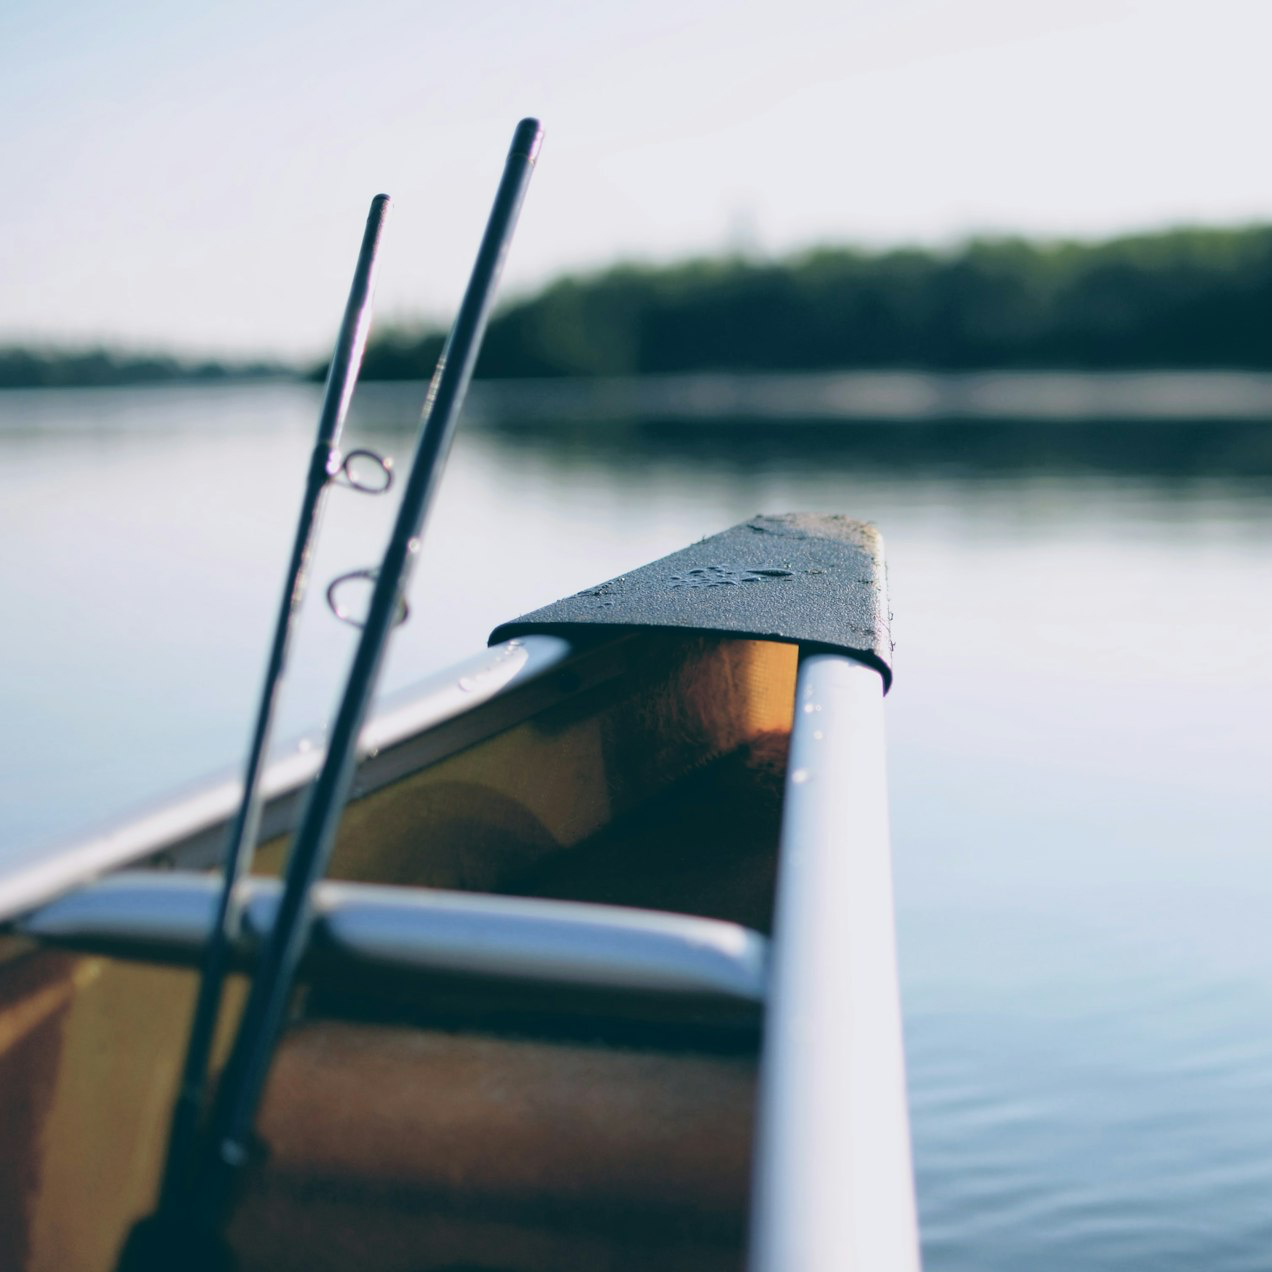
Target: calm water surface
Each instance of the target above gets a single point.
(1079, 734)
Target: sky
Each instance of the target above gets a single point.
(194, 177)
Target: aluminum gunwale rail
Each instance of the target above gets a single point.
(833, 1186)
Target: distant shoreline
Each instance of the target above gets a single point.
(881, 397)
(23, 367)
(1170, 302)
(861, 396)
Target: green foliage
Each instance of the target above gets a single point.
(397, 355)
(26, 368)
(1177, 298)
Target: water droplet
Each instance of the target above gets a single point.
(304, 745)
(800, 775)
(818, 735)
(467, 684)
(810, 707)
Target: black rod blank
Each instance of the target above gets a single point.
(341, 379)
(230, 1137)
(324, 464)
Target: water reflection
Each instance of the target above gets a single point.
(1078, 739)
(1216, 460)
(1166, 450)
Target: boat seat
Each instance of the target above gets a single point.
(427, 935)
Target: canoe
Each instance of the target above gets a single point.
(602, 975)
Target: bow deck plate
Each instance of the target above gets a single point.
(815, 581)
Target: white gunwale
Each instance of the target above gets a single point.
(833, 1185)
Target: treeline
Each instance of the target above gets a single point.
(1178, 298)
(25, 368)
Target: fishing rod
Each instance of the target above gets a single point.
(325, 466)
(228, 1144)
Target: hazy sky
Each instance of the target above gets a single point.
(195, 176)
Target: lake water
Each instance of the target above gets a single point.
(1080, 739)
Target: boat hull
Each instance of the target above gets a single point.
(602, 975)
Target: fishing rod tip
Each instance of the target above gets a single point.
(378, 214)
(527, 139)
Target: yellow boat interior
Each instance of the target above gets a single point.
(420, 1121)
